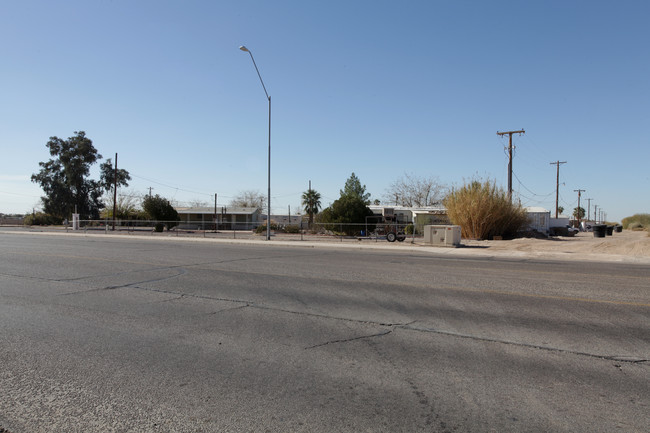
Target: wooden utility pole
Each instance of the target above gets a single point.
(589, 208)
(115, 192)
(557, 185)
(579, 191)
(521, 131)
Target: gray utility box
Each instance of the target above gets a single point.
(443, 236)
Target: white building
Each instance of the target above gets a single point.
(539, 219)
(227, 218)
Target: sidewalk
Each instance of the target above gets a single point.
(626, 247)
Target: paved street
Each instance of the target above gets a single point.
(169, 335)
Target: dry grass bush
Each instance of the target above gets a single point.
(483, 211)
(638, 221)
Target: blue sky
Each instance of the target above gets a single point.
(379, 88)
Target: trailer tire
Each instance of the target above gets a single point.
(391, 236)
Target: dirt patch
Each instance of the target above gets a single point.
(626, 243)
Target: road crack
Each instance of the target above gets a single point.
(347, 340)
(618, 358)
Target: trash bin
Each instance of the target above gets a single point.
(619, 229)
(610, 230)
(600, 230)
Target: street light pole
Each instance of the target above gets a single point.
(268, 199)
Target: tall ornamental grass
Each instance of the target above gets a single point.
(640, 221)
(483, 211)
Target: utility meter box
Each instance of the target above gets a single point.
(443, 236)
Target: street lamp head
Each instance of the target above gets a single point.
(243, 48)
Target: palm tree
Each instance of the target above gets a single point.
(311, 202)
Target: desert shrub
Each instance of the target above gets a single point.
(41, 219)
(262, 228)
(293, 229)
(636, 222)
(483, 211)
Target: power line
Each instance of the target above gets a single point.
(171, 187)
(533, 193)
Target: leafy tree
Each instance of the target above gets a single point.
(251, 199)
(311, 203)
(107, 178)
(160, 209)
(579, 213)
(349, 212)
(64, 178)
(353, 188)
(413, 191)
(560, 210)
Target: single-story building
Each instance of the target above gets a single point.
(286, 220)
(227, 218)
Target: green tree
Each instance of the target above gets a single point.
(560, 210)
(353, 188)
(64, 178)
(160, 209)
(579, 213)
(107, 178)
(349, 212)
(311, 203)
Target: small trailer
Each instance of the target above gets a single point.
(390, 226)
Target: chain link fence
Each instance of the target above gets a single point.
(341, 232)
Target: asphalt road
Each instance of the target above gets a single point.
(132, 335)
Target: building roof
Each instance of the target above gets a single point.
(537, 209)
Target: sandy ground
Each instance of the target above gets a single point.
(628, 244)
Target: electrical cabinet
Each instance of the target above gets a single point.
(444, 236)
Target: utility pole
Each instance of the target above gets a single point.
(589, 208)
(150, 188)
(115, 192)
(557, 184)
(215, 212)
(596, 213)
(579, 191)
(521, 131)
